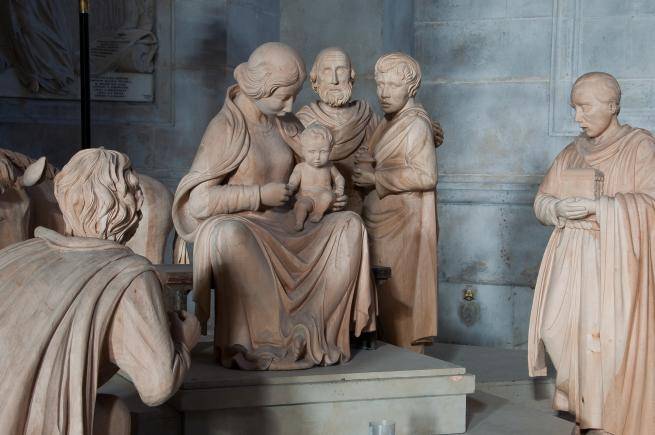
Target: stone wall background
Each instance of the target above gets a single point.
(496, 74)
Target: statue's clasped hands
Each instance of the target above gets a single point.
(575, 208)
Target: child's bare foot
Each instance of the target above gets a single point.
(315, 217)
(299, 226)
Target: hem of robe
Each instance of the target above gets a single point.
(359, 314)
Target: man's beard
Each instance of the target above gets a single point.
(336, 95)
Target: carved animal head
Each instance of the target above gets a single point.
(14, 201)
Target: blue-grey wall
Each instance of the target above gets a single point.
(486, 69)
(200, 42)
(496, 74)
(364, 28)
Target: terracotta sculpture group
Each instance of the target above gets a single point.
(287, 215)
(306, 284)
(268, 204)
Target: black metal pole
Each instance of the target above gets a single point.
(85, 80)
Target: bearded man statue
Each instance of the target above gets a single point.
(351, 122)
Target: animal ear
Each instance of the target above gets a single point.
(34, 173)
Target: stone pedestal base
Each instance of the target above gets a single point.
(422, 395)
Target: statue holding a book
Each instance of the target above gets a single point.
(595, 294)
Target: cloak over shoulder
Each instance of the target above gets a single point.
(348, 135)
(222, 149)
(57, 298)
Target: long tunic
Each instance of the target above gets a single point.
(401, 218)
(73, 311)
(351, 126)
(284, 299)
(594, 299)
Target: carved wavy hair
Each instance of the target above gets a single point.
(404, 65)
(313, 73)
(271, 66)
(611, 91)
(315, 131)
(99, 195)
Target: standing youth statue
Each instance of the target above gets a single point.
(351, 122)
(285, 299)
(594, 300)
(76, 308)
(400, 209)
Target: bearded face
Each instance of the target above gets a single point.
(335, 95)
(334, 79)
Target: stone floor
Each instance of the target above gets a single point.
(507, 401)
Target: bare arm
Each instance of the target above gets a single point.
(339, 181)
(295, 178)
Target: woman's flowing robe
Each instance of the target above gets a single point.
(594, 302)
(284, 299)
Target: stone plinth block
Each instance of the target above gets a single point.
(423, 395)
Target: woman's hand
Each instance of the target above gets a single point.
(363, 178)
(274, 194)
(339, 202)
(575, 208)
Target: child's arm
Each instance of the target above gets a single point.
(295, 178)
(339, 181)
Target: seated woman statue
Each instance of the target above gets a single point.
(285, 299)
(75, 308)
